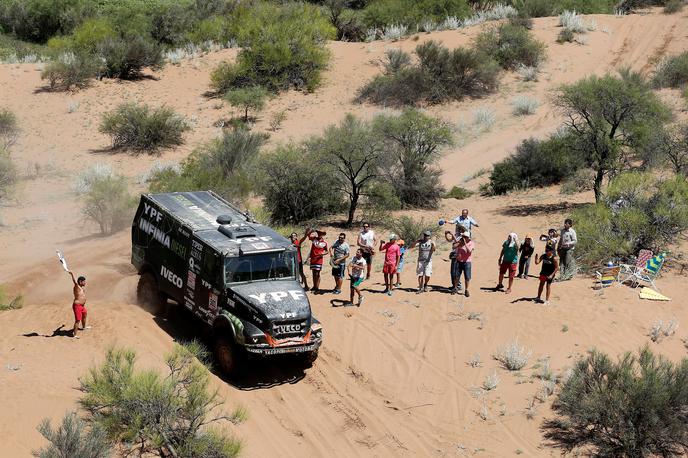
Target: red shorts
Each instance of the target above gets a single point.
(79, 311)
(507, 266)
(389, 268)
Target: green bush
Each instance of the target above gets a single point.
(247, 98)
(441, 75)
(148, 413)
(536, 163)
(9, 175)
(626, 408)
(413, 143)
(69, 71)
(10, 304)
(381, 13)
(142, 128)
(9, 129)
(672, 72)
(39, 20)
(544, 8)
(673, 6)
(410, 229)
(282, 47)
(126, 58)
(74, 438)
(637, 213)
(107, 202)
(566, 36)
(294, 188)
(511, 45)
(224, 165)
(459, 193)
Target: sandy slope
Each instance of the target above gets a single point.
(392, 378)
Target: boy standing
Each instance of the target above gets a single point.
(357, 268)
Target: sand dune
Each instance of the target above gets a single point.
(392, 378)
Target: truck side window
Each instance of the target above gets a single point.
(211, 265)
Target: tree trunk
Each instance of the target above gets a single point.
(352, 209)
(598, 185)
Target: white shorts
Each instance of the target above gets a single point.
(424, 269)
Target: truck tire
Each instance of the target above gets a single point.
(228, 356)
(148, 295)
(309, 357)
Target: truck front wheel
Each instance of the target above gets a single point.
(309, 358)
(148, 295)
(227, 355)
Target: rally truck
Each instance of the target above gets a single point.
(237, 277)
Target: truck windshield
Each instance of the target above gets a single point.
(268, 266)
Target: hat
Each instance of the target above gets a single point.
(321, 233)
(392, 236)
(466, 234)
(400, 242)
(428, 233)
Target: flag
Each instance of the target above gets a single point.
(62, 260)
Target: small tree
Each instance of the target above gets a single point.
(149, 413)
(106, 199)
(413, 143)
(353, 154)
(8, 173)
(74, 438)
(635, 407)
(247, 98)
(611, 118)
(295, 186)
(9, 130)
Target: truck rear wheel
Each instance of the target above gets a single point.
(228, 356)
(148, 295)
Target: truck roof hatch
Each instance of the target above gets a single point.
(234, 232)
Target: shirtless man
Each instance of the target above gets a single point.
(79, 304)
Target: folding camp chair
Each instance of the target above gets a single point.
(628, 270)
(648, 273)
(607, 276)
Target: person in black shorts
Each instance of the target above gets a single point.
(550, 267)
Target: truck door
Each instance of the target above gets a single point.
(209, 288)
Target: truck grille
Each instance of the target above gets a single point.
(285, 329)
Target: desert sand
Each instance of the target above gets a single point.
(393, 377)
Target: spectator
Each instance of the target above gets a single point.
(550, 239)
(527, 248)
(550, 267)
(296, 242)
(339, 252)
(508, 261)
(565, 247)
(464, 223)
(366, 242)
(400, 267)
(426, 247)
(391, 250)
(463, 247)
(357, 268)
(451, 238)
(316, 257)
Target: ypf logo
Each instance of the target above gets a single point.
(277, 296)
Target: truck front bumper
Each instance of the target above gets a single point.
(264, 349)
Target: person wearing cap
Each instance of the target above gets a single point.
(463, 247)
(508, 261)
(339, 253)
(316, 256)
(426, 247)
(392, 252)
(400, 266)
(526, 249)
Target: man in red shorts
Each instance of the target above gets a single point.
(79, 304)
(392, 255)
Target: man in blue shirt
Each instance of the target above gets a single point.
(465, 221)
